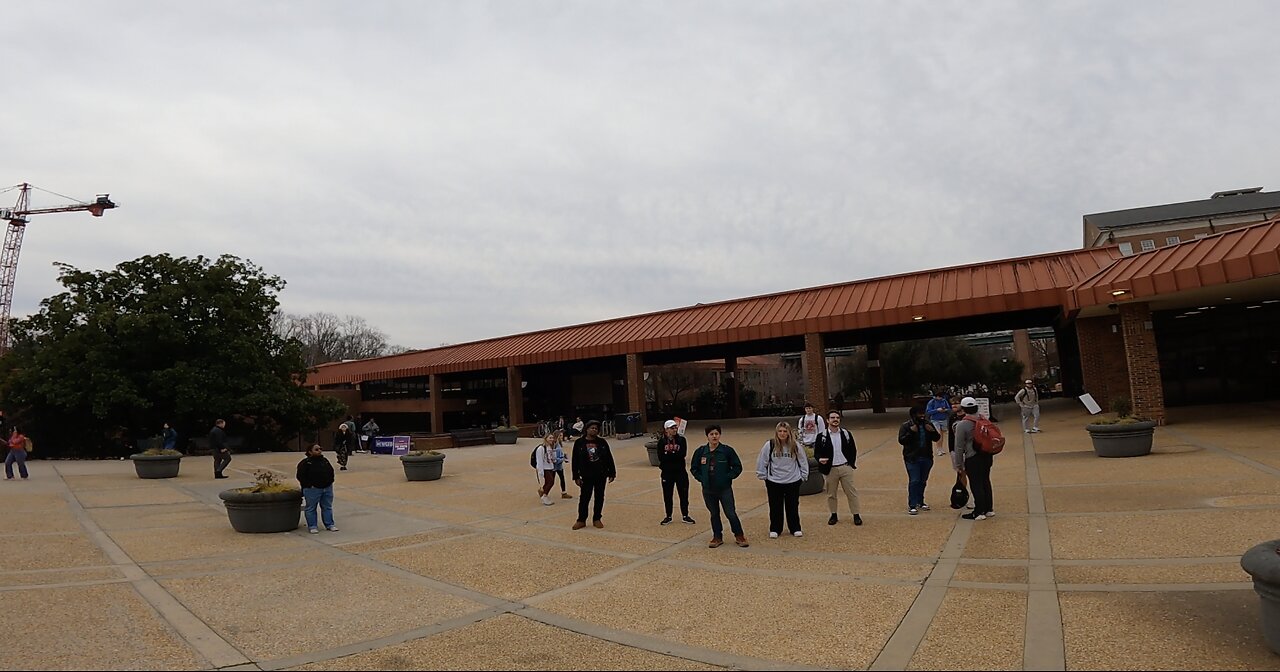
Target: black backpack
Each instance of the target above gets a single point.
(959, 496)
(533, 458)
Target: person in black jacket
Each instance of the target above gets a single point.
(592, 466)
(672, 449)
(837, 457)
(315, 475)
(917, 436)
(344, 443)
(218, 443)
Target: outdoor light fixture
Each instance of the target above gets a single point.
(1119, 292)
(917, 318)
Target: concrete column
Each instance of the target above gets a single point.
(435, 403)
(1022, 352)
(815, 372)
(1146, 386)
(635, 386)
(875, 378)
(515, 396)
(731, 371)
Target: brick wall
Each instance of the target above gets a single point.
(635, 386)
(1103, 364)
(815, 372)
(1146, 387)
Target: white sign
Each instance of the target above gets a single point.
(984, 406)
(681, 423)
(1090, 404)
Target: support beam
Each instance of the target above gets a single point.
(875, 378)
(434, 403)
(815, 372)
(515, 396)
(1022, 353)
(731, 373)
(1146, 386)
(635, 387)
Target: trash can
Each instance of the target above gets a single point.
(627, 425)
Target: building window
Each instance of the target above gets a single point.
(1148, 245)
(1126, 249)
(1171, 240)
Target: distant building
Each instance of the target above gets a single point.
(1145, 229)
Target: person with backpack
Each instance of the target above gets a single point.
(979, 440)
(715, 465)
(672, 449)
(544, 460)
(809, 426)
(916, 436)
(938, 411)
(837, 456)
(593, 467)
(783, 466)
(1028, 400)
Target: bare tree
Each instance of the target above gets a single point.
(325, 337)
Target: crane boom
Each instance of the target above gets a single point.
(17, 217)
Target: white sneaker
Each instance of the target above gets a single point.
(913, 511)
(980, 517)
(314, 531)
(773, 535)
(991, 514)
(546, 501)
(1026, 431)
(1035, 430)
(798, 533)
(332, 528)
(924, 507)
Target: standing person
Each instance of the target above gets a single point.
(560, 460)
(783, 466)
(715, 465)
(218, 443)
(1028, 399)
(957, 456)
(977, 464)
(169, 438)
(546, 465)
(343, 444)
(5, 430)
(672, 450)
(837, 457)
(592, 466)
(809, 426)
(371, 430)
(18, 446)
(938, 411)
(916, 436)
(315, 475)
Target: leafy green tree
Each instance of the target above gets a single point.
(158, 339)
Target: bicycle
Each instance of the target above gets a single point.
(541, 430)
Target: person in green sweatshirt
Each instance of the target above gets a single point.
(715, 465)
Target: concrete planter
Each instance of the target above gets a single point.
(652, 448)
(1122, 440)
(156, 466)
(816, 482)
(505, 435)
(1262, 562)
(423, 467)
(263, 512)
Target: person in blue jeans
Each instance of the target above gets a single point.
(917, 436)
(315, 475)
(938, 411)
(169, 438)
(715, 465)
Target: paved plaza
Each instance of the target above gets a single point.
(1090, 563)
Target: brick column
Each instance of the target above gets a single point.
(635, 386)
(815, 372)
(434, 403)
(1146, 386)
(875, 378)
(731, 372)
(1022, 352)
(515, 396)
(1102, 361)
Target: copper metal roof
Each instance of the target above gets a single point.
(1241, 254)
(992, 287)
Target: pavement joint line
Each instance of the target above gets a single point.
(1044, 646)
(789, 574)
(68, 584)
(206, 642)
(1152, 587)
(1249, 462)
(418, 545)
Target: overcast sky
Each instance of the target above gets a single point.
(459, 171)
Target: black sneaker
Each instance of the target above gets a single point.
(971, 516)
(688, 521)
(857, 519)
(666, 521)
(833, 519)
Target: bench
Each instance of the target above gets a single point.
(471, 437)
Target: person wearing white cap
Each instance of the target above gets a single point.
(672, 449)
(977, 464)
(1028, 399)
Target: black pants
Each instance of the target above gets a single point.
(221, 459)
(344, 452)
(680, 483)
(783, 497)
(591, 486)
(560, 473)
(978, 468)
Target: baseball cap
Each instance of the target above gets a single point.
(968, 402)
(1028, 382)
(669, 424)
(592, 422)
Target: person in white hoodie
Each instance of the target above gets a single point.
(546, 460)
(809, 426)
(783, 465)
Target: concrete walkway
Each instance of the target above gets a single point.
(1090, 563)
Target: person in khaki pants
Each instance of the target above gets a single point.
(837, 455)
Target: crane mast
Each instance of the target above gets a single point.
(18, 217)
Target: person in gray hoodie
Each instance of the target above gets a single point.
(977, 464)
(783, 466)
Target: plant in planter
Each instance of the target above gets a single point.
(422, 465)
(1262, 562)
(1122, 435)
(652, 447)
(505, 434)
(154, 461)
(269, 505)
(816, 482)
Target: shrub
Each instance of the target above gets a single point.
(266, 480)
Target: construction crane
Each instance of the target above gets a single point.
(17, 218)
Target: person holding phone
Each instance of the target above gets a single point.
(917, 437)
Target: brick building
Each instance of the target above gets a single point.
(1146, 229)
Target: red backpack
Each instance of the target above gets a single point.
(987, 436)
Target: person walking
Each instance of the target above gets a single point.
(218, 443)
(672, 451)
(809, 426)
(837, 456)
(1028, 399)
(343, 445)
(977, 464)
(715, 465)
(559, 462)
(19, 445)
(169, 438)
(315, 475)
(916, 436)
(783, 465)
(546, 465)
(370, 430)
(593, 467)
(938, 412)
